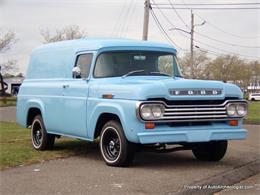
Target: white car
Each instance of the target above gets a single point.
(254, 96)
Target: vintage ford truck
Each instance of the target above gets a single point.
(129, 94)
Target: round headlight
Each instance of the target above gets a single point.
(146, 112)
(231, 110)
(157, 111)
(241, 109)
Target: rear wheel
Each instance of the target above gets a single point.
(210, 151)
(116, 150)
(41, 140)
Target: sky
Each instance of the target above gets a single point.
(124, 19)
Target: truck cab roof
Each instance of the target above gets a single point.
(79, 45)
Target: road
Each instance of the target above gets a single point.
(151, 173)
(8, 113)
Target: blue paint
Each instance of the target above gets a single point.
(74, 111)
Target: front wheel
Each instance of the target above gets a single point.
(41, 140)
(116, 150)
(210, 151)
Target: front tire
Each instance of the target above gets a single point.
(210, 151)
(116, 150)
(41, 140)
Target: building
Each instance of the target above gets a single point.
(13, 84)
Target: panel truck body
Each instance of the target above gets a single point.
(129, 94)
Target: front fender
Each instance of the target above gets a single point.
(124, 109)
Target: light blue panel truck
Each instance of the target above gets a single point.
(130, 94)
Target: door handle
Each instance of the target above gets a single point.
(65, 86)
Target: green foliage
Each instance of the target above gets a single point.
(253, 113)
(8, 101)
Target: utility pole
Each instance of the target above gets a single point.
(147, 6)
(191, 45)
(191, 32)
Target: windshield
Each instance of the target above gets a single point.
(136, 63)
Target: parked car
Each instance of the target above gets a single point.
(129, 93)
(254, 96)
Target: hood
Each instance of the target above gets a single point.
(146, 87)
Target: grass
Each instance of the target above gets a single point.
(253, 113)
(16, 148)
(8, 101)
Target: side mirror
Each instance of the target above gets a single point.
(76, 72)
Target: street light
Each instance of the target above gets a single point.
(180, 30)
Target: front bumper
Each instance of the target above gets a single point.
(194, 135)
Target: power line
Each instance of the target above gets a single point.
(226, 43)
(208, 45)
(118, 24)
(127, 14)
(177, 14)
(223, 31)
(161, 29)
(209, 8)
(219, 54)
(222, 50)
(209, 4)
(128, 23)
(159, 25)
(168, 20)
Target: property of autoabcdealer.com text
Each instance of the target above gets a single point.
(219, 187)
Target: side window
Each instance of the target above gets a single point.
(83, 63)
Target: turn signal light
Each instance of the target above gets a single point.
(149, 125)
(233, 122)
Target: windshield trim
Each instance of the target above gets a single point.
(125, 50)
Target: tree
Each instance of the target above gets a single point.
(9, 68)
(230, 68)
(200, 61)
(225, 68)
(67, 33)
(254, 68)
(6, 40)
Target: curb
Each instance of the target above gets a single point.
(228, 178)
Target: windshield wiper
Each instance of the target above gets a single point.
(132, 72)
(161, 73)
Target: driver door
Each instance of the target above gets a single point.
(75, 92)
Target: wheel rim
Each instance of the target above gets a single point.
(111, 144)
(37, 134)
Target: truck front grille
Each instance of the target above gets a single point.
(180, 113)
(199, 111)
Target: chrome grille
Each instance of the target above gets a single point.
(195, 112)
